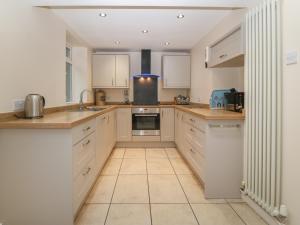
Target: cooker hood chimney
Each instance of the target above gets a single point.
(146, 64)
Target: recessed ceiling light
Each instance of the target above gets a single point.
(117, 42)
(167, 43)
(145, 31)
(102, 14)
(180, 16)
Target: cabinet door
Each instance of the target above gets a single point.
(176, 71)
(228, 52)
(167, 124)
(101, 141)
(122, 71)
(124, 124)
(104, 70)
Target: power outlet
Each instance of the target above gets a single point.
(18, 105)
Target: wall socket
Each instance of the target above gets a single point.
(18, 105)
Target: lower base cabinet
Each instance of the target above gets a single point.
(214, 149)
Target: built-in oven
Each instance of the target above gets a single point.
(145, 122)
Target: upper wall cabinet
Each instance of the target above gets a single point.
(176, 71)
(227, 52)
(110, 71)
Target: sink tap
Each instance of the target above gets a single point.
(81, 105)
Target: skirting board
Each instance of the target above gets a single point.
(261, 212)
(145, 145)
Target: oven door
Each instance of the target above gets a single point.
(145, 124)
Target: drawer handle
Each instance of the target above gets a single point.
(192, 130)
(87, 171)
(86, 129)
(222, 56)
(192, 120)
(192, 150)
(86, 143)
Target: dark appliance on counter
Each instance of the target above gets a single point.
(145, 84)
(145, 121)
(234, 100)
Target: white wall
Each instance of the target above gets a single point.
(205, 80)
(291, 119)
(116, 95)
(32, 56)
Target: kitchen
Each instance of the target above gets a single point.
(139, 121)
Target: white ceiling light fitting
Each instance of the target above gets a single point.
(145, 31)
(180, 16)
(167, 43)
(102, 14)
(117, 42)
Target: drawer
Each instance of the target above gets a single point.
(83, 152)
(82, 130)
(196, 144)
(197, 159)
(82, 184)
(196, 122)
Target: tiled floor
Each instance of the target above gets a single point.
(156, 187)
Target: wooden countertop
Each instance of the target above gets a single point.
(68, 118)
(212, 114)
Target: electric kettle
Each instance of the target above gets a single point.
(34, 106)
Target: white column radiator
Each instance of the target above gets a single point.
(262, 172)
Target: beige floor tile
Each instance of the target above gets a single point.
(129, 214)
(103, 190)
(118, 153)
(155, 153)
(131, 189)
(159, 166)
(133, 166)
(93, 214)
(173, 153)
(180, 166)
(135, 153)
(247, 214)
(112, 167)
(235, 200)
(172, 214)
(216, 214)
(194, 190)
(165, 189)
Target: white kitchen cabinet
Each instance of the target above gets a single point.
(104, 71)
(176, 70)
(124, 125)
(229, 51)
(110, 71)
(167, 124)
(214, 149)
(122, 71)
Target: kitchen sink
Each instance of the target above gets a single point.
(89, 108)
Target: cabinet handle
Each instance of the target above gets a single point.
(87, 171)
(192, 150)
(86, 129)
(222, 56)
(192, 120)
(86, 143)
(192, 130)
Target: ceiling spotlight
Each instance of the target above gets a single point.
(145, 31)
(117, 42)
(102, 14)
(167, 43)
(180, 16)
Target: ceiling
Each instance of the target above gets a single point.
(126, 25)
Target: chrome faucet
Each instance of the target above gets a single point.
(81, 105)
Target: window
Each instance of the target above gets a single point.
(69, 96)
